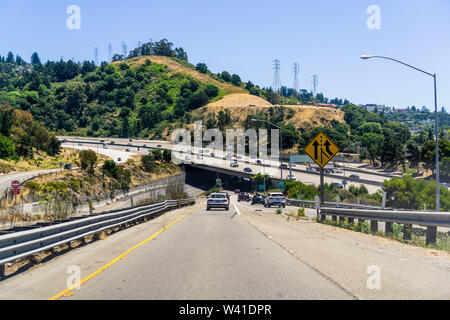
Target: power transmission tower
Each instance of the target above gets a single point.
(315, 83)
(296, 71)
(96, 55)
(124, 48)
(276, 76)
(109, 52)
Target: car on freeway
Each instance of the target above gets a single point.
(158, 146)
(258, 161)
(337, 170)
(238, 157)
(67, 166)
(112, 142)
(237, 191)
(258, 198)
(275, 199)
(64, 140)
(130, 140)
(283, 166)
(218, 200)
(80, 144)
(234, 164)
(212, 155)
(102, 141)
(354, 175)
(291, 177)
(445, 184)
(105, 146)
(243, 196)
(144, 146)
(130, 144)
(119, 159)
(247, 169)
(338, 185)
(127, 150)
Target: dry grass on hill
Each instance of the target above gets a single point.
(176, 67)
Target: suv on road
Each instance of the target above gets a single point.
(218, 200)
(258, 198)
(244, 196)
(275, 199)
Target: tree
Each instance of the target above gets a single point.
(413, 153)
(226, 76)
(109, 167)
(88, 159)
(211, 90)
(7, 148)
(157, 154)
(236, 80)
(201, 67)
(148, 162)
(35, 60)
(167, 155)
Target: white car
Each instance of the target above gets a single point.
(275, 199)
(291, 177)
(218, 200)
(234, 164)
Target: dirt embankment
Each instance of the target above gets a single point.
(241, 106)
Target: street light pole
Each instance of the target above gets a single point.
(365, 57)
(281, 140)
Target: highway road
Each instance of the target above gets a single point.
(243, 253)
(136, 147)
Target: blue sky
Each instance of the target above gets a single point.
(326, 37)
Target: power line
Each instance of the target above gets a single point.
(276, 76)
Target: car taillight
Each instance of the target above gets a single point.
(283, 198)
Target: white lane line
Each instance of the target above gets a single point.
(237, 210)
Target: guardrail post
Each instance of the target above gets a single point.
(407, 230)
(2, 271)
(374, 225)
(389, 227)
(431, 235)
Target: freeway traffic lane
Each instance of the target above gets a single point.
(209, 255)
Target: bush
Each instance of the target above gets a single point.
(157, 155)
(108, 168)
(167, 155)
(88, 159)
(148, 162)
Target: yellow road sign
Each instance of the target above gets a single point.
(321, 149)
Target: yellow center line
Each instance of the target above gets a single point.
(109, 264)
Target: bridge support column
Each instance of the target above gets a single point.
(374, 225)
(388, 227)
(350, 221)
(334, 218)
(431, 235)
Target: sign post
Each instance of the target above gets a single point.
(321, 150)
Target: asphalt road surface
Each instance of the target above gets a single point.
(248, 252)
(205, 255)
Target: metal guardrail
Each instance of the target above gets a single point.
(17, 245)
(311, 204)
(434, 219)
(431, 220)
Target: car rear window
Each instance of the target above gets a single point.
(277, 195)
(217, 196)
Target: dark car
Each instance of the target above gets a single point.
(237, 191)
(283, 166)
(67, 166)
(244, 196)
(338, 185)
(355, 176)
(247, 169)
(258, 198)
